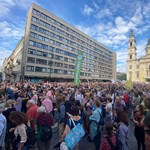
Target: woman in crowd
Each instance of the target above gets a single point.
(108, 110)
(146, 122)
(109, 138)
(122, 130)
(139, 129)
(9, 136)
(76, 118)
(43, 120)
(94, 129)
(3, 124)
(20, 120)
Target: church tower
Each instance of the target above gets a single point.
(131, 57)
(147, 48)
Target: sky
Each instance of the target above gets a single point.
(107, 21)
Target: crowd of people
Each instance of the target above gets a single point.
(105, 111)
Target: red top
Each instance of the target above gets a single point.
(105, 145)
(32, 114)
(126, 98)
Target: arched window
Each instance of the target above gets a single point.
(130, 56)
(130, 43)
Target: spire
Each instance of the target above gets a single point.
(131, 33)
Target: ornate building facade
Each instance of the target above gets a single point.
(138, 69)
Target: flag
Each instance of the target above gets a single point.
(78, 68)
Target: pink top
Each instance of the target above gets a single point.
(48, 104)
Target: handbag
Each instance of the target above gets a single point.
(63, 146)
(74, 136)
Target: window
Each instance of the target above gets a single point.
(130, 56)
(34, 27)
(30, 60)
(41, 61)
(35, 19)
(38, 69)
(137, 74)
(32, 51)
(32, 43)
(43, 46)
(137, 66)
(42, 53)
(44, 69)
(33, 35)
(36, 12)
(130, 43)
(30, 68)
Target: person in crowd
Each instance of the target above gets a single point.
(146, 123)
(94, 128)
(43, 119)
(9, 136)
(122, 128)
(32, 112)
(108, 137)
(20, 120)
(47, 102)
(3, 125)
(108, 110)
(76, 118)
(60, 102)
(118, 103)
(18, 103)
(139, 129)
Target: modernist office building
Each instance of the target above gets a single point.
(51, 46)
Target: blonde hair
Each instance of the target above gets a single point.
(41, 109)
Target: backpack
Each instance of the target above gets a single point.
(31, 138)
(101, 121)
(46, 133)
(118, 145)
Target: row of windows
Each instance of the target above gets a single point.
(45, 62)
(66, 28)
(88, 52)
(44, 46)
(53, 28)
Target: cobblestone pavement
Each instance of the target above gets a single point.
(85, 145)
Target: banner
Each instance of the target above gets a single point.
(78, 68)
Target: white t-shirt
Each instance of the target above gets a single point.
(109, 105)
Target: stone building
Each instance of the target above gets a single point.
(138, 69)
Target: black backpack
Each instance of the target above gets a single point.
(31, 138)
(46, 133)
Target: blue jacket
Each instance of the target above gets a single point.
(3, 125)
(94, 118)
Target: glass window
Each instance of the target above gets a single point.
(41, 61)
(44, 69)
(34, 27)
(38, 69)
(32, 43)
(36, 12)
(31, 51)
(35, 19)
(33, 35)
(30, 68)
(30, 60)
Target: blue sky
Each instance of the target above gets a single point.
(107, 21)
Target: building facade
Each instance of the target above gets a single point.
(138, 69)
(51, 46)
(12, 65)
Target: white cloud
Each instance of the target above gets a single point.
(87, 10)
(4, 54)
(103, 13)
(5, 6)
(10, 30)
